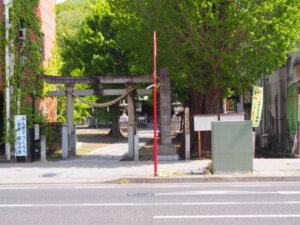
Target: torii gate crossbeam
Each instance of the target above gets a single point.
(96, 79)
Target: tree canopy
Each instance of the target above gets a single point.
(95, 48)
(69, 16)
(95, 51)
(212, 44)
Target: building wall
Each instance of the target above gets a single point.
(46, 11)
(47, 14)
(275, 103)
(275, 109)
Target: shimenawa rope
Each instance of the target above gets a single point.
(106, 104)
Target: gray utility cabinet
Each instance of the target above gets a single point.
(232, 147)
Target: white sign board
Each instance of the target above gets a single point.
(232, 117)
(36, 132)
(20, 135)
(203, 122)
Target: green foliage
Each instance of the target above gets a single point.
(27, 61)
(70, 15)
(211, 43)
(95, 50)
(53, 67)
(22, 15)
(81, 110)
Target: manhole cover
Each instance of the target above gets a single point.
(140, 194)
(49, 175)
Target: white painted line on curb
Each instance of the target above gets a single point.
(124, 186)
(226, 216)
(144, 204)
(95, 187)
(137, 186)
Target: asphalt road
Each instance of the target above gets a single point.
(234, 203)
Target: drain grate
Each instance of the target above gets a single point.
(140, 194)
(49, 175)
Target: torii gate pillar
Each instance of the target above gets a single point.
(70, 120)
(131, 129)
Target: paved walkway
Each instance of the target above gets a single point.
(104, 165)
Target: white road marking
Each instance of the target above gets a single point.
(145, 204)
(217, 192)
(289, 192)
(226, 216)
(18, 188)
(229, 192)
(251, 185)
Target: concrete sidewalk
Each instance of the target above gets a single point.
(141, 172)
(104, 166)
(92, 171)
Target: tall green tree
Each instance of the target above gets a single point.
(70, 15)
(211, 46)
(95, 51)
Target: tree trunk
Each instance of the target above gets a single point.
(115, 125)
(208, 103)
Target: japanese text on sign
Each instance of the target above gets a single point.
(36, 132)
(257, 104)
(20, 135)
(187, 120)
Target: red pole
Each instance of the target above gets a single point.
(154, 104)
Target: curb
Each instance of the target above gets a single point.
(160, 180)
(155, 180)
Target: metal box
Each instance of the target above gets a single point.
(232, 147)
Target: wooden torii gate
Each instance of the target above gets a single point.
(70, 82)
